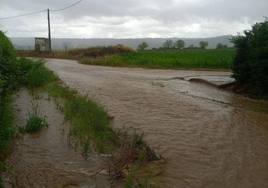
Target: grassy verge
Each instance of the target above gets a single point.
(7, 129)
(89, 122)
(162, 59)
(7, 125)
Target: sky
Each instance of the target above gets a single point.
(132, 18)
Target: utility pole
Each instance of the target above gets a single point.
(49, 34)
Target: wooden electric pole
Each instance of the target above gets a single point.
(49, 34)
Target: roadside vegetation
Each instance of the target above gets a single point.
(35, 122)
(7, 84)
(250, 65)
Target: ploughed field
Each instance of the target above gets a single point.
(209, 137)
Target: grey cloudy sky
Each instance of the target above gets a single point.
(133, 18)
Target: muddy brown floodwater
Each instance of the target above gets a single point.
(210, 138)
(46, 159)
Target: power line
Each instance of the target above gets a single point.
(67, 7)
(43, 10)
(22, 15)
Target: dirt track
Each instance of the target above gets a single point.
(210, 138)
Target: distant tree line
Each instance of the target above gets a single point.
(180, 44)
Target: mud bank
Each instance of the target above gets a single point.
(209, 137)
(47, 159)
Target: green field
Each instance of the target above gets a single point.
(169, 59)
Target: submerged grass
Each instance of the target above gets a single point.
(89, 121)
(35, 123)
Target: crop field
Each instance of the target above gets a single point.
(169, 59)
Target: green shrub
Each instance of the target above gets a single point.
(7, 63)
(250, 65)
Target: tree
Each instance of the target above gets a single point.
(191, 46)
(203, 44)
(221, 46)
(168, 44)
(143, 46)
(179, 44)
(250, 65)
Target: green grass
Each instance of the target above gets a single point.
(1, 183)
(89, 121)
(169, 59)
(35, 123)
(33, 74)
(7, 128)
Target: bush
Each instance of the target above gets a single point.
(250, 65)
(95, 52)
(7, 63)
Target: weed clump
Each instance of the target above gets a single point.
(133, 154)
(35, 122)
(34, 74)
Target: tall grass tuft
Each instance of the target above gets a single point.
(33, 73)
(35, 122)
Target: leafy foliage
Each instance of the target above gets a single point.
(203, 44)
(250, 65)
(7, 82)
(180, 44)
(143, 46)
(168, 44)
(7, 63)
(221, 46)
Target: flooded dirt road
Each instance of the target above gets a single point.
(210, 138)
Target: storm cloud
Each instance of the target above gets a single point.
(133, 18)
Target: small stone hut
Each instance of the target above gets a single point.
(41, 44)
